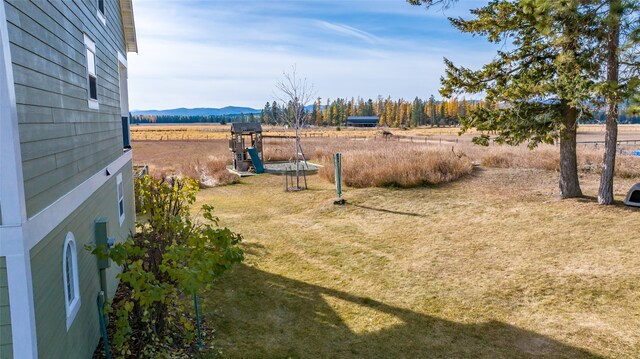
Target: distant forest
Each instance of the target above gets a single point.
(392, 113)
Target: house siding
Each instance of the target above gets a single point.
(54, 341)
(63, 142)
(6, 350)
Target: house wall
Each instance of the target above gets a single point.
(63, 142)
(54, 341)
(6, 350)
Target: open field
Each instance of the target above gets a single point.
(216, 131)
(368, 156)
(492, 265)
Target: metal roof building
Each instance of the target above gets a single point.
(363, 121)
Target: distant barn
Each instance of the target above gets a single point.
(363, 121)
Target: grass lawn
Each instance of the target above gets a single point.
(490, 266)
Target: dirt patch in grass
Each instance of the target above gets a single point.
(204, 160)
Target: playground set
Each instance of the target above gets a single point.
(247, 158)
(246, 146)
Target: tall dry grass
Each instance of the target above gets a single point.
(390, 162)
(210, 172)
(393, 165)
(548, 158)
(278, 151)
(205, 161)
(545, 157)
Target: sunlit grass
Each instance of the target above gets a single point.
(490, 266)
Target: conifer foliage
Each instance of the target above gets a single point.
(392, 113)
(560, 60)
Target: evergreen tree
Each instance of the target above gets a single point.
(317, 119)
(266, 113)
(368, 108)
(275, 113)
(416, 108)
(542, 84)
(432, 110)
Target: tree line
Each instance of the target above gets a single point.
(392, 113)
(221, 119)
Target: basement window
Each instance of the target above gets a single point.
(70, 278)
(92, 78)
(120, 190)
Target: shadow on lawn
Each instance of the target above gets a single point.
(386, 210)
(259, 314)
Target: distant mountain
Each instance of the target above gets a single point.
(229, 110)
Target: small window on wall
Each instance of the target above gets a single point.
(92, 78)
(101, 13)
(120, 197)
(70, 278)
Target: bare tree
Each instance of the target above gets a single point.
(294, 94)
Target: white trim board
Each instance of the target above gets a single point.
(71, 307)
(38, 226)
(13, 210)
(17, 240)
(23, 317)
(45, 221)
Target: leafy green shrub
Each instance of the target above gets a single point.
(169, 258)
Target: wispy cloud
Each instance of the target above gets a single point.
(348, 31)
(218, 53)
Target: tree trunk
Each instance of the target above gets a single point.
(569, 182)
(605, 192)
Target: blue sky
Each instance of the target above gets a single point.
(217, 53)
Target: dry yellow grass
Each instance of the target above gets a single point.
(217, 131)
(489, 266)
(178, 132)
(548, 158)
(492, 265)
(397, 165)
(376, 154)
(205, 161)
(374, 161)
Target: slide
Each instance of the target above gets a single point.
(257, 162)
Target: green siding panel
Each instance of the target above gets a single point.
(6, 349)
(35, 114)
(5, 313)
(53, 339)
(63, 142)
(31, 132)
